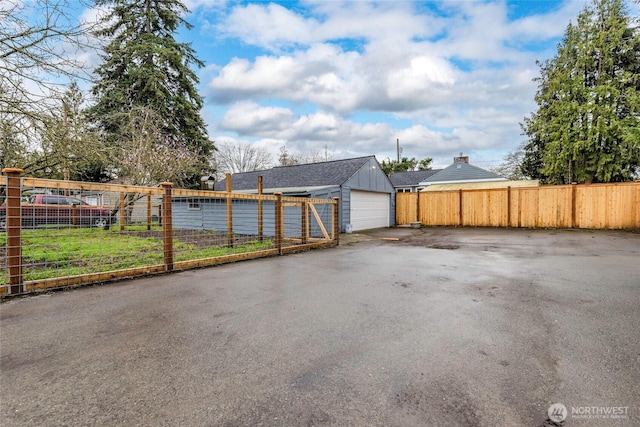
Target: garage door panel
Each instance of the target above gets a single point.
(369, 210)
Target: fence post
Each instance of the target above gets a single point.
(279, 231)
(74, 215)
(229, 187)
(418, 208)
(167, 225)
(304, 221)
(260, 211)
(14, 230)
(573, 205)
(123, 217)
(460, 206)
(148, 212)
(336, 220)
(519, 223)
(509, 206)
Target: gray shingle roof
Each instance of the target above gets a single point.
(461, 171)
(335, 172)
(400, 179)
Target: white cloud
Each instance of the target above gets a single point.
(248, 118)
(267, 25)
(461, 76)
(273, 127)
(323, 74)
(399, 73)
(274, 27)
(193, 5)
(452, 76)
(422, 81)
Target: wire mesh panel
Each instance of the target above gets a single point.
(73, 232)
(208, 225)
(5, 248)
(61, 233)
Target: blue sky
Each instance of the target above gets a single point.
(351, 77)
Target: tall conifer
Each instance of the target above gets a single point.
(144, 67)
(588, 102)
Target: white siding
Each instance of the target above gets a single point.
(369, 210)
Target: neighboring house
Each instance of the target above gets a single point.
(407, 182)
(461, 172)
(367, 197)
(482, 185)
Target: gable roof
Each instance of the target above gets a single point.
(462, 172)
(405, 179)
(335, 172)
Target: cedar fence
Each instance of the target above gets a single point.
(151, 230)
(593, 206)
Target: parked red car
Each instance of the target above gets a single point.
(42, 209)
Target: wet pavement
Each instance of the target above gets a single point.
(395, 327)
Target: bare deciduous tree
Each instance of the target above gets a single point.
(143, 155)
(67, 147)
(511, 167)
(233, 157)
(37, 45)
(289, 159)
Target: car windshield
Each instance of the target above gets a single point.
(55, 200)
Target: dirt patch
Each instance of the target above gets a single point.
(444, 246)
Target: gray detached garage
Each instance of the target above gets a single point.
(367, 197)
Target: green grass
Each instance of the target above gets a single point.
(50, 253)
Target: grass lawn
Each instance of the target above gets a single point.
(53, 252)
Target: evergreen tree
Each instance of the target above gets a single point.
(588, 102)
(145, 67)
(68, 148)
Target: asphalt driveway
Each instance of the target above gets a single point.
(396, 327)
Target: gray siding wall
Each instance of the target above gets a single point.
(392, 210)
(345, 208)
(212, 215)
(370, 178)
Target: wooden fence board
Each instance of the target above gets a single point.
(485, 207)
(441, 208)
(595, 206)
(636, 207)
(406, 207)
(528, 207)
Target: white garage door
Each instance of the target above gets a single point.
(369, 210)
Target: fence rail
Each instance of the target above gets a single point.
(56, 234)
(594, 206)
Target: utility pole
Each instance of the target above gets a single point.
(398, 148)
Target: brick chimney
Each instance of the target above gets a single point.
(461, 159)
